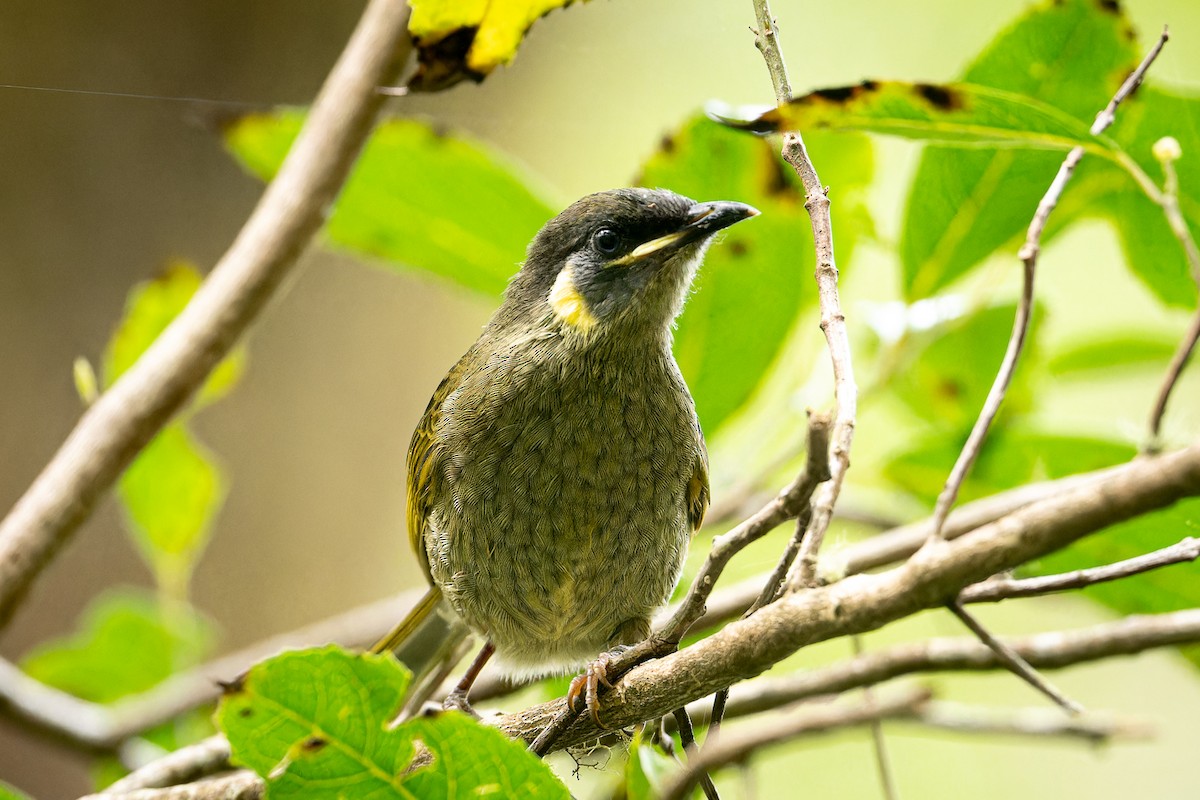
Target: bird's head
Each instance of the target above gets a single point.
(617, 261)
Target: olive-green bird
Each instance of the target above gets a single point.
(559, 471)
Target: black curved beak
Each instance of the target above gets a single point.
(704, 219)
(708, 218)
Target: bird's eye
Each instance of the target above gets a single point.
(606, 241)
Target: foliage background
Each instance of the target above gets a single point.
(102, 192)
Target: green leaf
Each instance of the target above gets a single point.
(1151, 248)
(1168, 589)
(149, 309)
(316, 724)
(950, 368)
(961, 114)
(757, 279)
(964, 205)
(1010, 457)
(10, 792)
(417, 198)
(127, 643)
(171, 493)
(458, 40)
(646, 770)
(1130, 349)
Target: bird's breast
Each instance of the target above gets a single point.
(562, 510)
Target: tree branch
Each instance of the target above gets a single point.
(185, 764)
(292, 209)
(1029, 255)
(833, 322)
(934, 576)
(998, 588)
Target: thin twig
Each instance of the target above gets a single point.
(1012, 659)
(833, 322)
(737, 745)
(883, 766)
(1179, 360)
(1025, 722)
(128, 415)
(816, 465)
(687, 737)
(1029, 255)
(1169, 201)
(996, 589)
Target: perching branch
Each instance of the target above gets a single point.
(893, 546)
(931, 578)
(143, 400)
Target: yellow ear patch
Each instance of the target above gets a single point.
(568, 304)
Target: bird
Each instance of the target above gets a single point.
(559, 471)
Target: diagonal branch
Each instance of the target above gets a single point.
(143, 400)
(930, 579)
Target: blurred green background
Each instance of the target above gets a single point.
(101, 192)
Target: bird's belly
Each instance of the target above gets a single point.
(551, 538)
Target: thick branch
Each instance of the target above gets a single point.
(890, 547)
(126, 417)
(934, 576)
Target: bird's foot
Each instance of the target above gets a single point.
(588, 684)
(457, 701)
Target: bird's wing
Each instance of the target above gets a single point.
(697, 490)
(425, 456)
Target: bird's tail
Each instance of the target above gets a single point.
(429, 641)
(411, 623)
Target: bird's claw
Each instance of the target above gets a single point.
(457, 701)
(588, 684)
